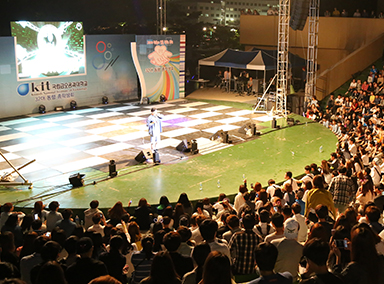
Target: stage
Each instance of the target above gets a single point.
(85, 140)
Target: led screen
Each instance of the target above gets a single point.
(49, 49)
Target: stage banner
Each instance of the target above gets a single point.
(160, 65)
(85, 70)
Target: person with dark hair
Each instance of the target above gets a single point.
(178, 213)
(90, 212)
(114, 260)
(322, 216)
(319, 195)
(233, 223)
(183, 199)
(290, 180)
(162, 270)
(208, 229)
(8, 271)
(51, 273)
(316, 253)
(97, 227)
(8, 249)
(142, 261)
(341, 188)
(372, 214)
(28, 247)
(265, 257)
(66, 224)
(29, 261)
(143, 214)
(199, 255)
(116, 213)
(70, 246)
(11, 225)
(183, 264)
(7, 209)
(249, 205)
(217, 269)
(263, 229)
(278, 225)
(239, 198)
(38, 209)
(86, 268)
(185, 247)
(49, 252)
(154, 128)
(106, 279)
(163, 203)
(366, 265)
(303, 230)
(241, 246)
(53, 216)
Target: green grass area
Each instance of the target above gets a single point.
(226, 103)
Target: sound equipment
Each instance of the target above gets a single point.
(274, 125)
(220, 135)
(290, 121)
(156, 157)
(184, 146)
(144, 155)
(76, 180)
(248, 128)
(299, 14)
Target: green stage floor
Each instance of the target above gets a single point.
(269, 156)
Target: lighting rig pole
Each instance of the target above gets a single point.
(161, 17)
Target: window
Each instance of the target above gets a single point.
(217, 15)
(212, 15)
(235, 9)
(206, 8)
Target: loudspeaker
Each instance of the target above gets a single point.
(223, 135)
(144, 155)
(290, 121)
(76, 180)
(299, 14)
(184, 146)
(274, 123)
(248, 128)
(156, 157)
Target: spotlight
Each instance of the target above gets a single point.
(42, 109)
(73, 104)
(112, 168)
(105, 100)
(163, 99)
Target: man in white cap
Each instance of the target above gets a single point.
(290, 251)
(154, 128)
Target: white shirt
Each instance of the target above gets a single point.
(303, 230)
(271, 190)
(239, 200)
(293, 183)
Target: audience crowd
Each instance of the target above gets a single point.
(325, 227)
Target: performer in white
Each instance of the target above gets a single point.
(154, 128)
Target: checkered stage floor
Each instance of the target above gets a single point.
(68, 141)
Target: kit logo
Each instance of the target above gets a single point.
(24, 89)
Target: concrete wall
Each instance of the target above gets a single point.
(338, 37)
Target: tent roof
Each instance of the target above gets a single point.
(257, 59)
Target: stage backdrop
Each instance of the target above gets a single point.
(160, 65)
(108, 71)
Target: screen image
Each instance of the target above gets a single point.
(49, 49)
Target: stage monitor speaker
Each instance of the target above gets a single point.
(144, 155)
(156, 157)
(299, 14)
(184, 146)
(248, 128)
(76, 180)
(290, 121)
(220, 135)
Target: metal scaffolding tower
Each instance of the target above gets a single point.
(313, 40)
(161, 16)
(282, 58)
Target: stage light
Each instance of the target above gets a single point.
(112, 168)
(42, 109)
(73, 104)
(105, 100)
(163, 99)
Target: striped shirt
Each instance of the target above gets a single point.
(142, 266)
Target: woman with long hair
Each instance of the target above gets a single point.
(39, 211)
(162, 270)
(134, 232)
(163, 203)
(116, 213)
(217, 269)
(199, 255)
(326, 171)
(366, 265)
(178, 213)
(183, 199)
(143, 214)
(364, 194)
(143, 260)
